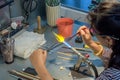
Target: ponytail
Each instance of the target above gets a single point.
(115, 56)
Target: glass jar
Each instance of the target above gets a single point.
(7, 50)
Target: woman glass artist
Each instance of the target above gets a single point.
(105, 25)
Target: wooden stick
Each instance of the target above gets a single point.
(38, 22)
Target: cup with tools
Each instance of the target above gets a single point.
(7, 50)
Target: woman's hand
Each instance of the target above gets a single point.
(85, 33)
(38, 60)
(38, 57)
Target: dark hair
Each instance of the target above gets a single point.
(105, 18)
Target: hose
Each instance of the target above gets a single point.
(94, 69)
(29, 6)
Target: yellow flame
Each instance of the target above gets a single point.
(60, 38)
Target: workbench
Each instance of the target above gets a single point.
(53, 62)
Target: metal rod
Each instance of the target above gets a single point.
(80, 49)
(37, 77)
(77, 52)
(18, 73)
(18, 78)
(64, 53)
(72, 48)
(72, 36)
(53, 47)
(65, 58)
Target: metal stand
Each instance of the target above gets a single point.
(89, 64)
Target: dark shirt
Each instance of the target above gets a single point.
(109, 74)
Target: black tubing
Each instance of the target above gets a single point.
(94, 69)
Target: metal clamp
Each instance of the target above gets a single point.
(85, 60)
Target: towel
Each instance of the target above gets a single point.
(27, 42)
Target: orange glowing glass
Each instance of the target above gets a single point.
(60, 38)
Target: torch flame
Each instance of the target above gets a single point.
(60, 38)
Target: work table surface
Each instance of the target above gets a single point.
(53, 61)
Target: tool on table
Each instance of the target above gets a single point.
(81, 58)
(65, 58)
(69, 56)
(51, 47)
(39, 29)
(24, 75)
(18, 78)
(65, 54)
(80, 49)
(21, 75)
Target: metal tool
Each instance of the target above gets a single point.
(24, 75)
(18, 78)
(79, 49)
(81, 58)
(39, 29)
(72, 36)
(51, 47)
(72, 48)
